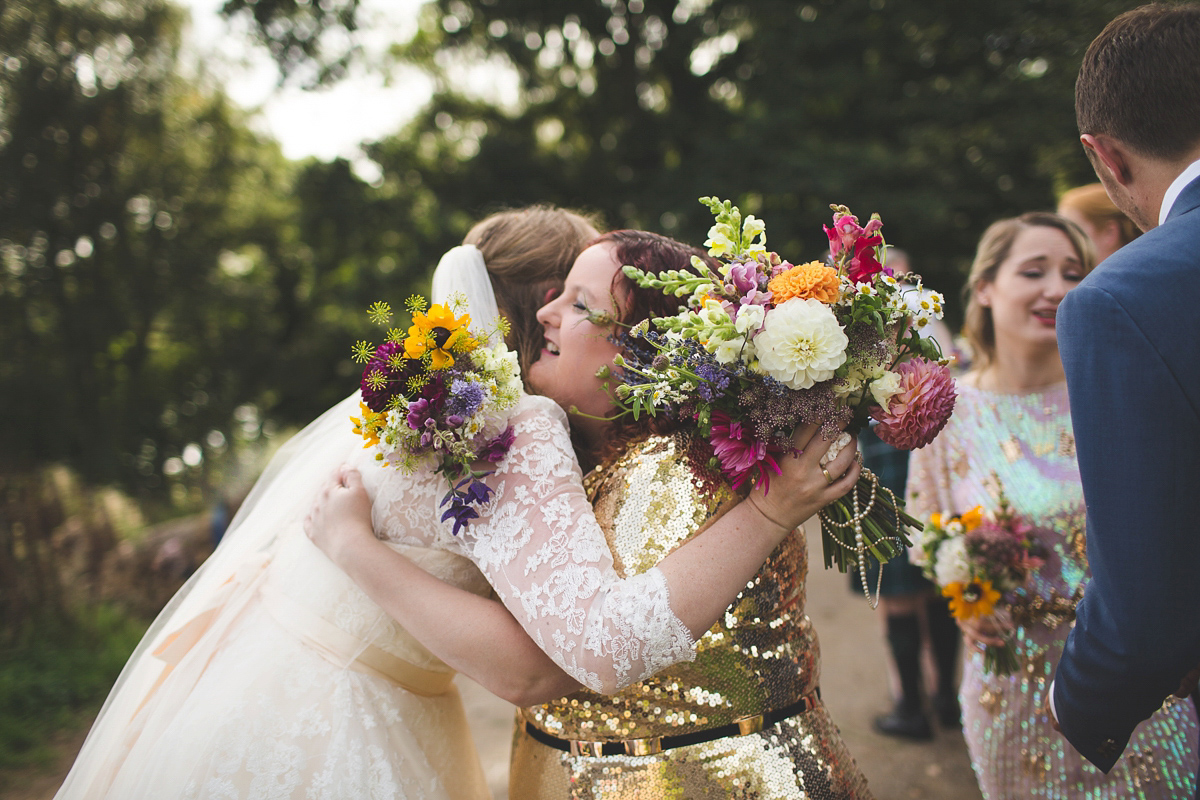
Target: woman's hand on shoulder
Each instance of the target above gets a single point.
(805, 485)
(340, 518)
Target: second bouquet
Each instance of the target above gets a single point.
(761, 346)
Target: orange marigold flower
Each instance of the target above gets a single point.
(971, 599)
(812, 280)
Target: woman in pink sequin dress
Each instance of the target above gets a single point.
(1012, 429)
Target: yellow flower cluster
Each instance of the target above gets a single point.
(812, 280)
(368, 425)
(440, 334)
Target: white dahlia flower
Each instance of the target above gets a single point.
(951, 564)
(801, 343)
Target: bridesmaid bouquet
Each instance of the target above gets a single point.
(976, 559)
(762, 346)
(438, 396)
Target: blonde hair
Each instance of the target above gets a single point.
(994, 247)
(528, 252)
(1095, 205)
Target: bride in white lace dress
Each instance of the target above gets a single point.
(272, 675)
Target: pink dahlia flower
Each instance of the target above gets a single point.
(739, 453)
(917, 413)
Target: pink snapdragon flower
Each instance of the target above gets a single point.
(863, 266)
(917, 413)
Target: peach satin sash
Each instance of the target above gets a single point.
(333, 643)
(345, 649)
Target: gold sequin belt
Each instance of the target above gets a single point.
(656, 744)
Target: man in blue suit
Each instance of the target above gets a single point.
(1130, 342)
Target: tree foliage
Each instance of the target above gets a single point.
(942, 116)
(161, 266)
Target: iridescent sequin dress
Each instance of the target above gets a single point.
(762, 656)
(1026, 442)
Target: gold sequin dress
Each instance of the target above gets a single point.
(1026, 441)
(763, 655)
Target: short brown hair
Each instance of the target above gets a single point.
(994, 247)
(528, 252)
(1140, 81)
(1093, 202)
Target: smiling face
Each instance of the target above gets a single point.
(578, 343)
(1041, 267)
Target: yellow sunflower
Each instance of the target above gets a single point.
(972, 598)
(439, 333)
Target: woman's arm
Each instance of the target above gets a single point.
(474, 635)
(541, 549)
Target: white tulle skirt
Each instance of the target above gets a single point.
(272, 718)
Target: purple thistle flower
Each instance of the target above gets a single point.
(466, 397)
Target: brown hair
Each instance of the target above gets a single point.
(1093, 202)
(1140, 81)
(528, 252)
(649, 252)
(994, 247)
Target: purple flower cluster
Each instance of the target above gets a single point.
(467, 492)
(377, 398)
(747, 281)
(496, 448)
(466, 397)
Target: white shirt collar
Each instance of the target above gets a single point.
(1176, 187)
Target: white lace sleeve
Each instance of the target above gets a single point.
(539, 545)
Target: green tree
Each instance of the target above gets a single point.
(940, 115)
(161, 266)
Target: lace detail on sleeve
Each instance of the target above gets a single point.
(628, 620)
(539, 545)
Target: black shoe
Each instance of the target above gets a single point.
(948, 712)
(905, 724)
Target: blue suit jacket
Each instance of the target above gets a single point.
(1129, 335)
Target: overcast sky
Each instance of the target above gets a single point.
(326, 123)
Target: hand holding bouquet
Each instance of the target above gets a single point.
(762, 346)
(438, 396)
(976, 559)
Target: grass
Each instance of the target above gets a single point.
(57, 669)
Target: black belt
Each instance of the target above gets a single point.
(656, 744)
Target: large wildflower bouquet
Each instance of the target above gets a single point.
(978, 560)
(763, 345)
(438, 395)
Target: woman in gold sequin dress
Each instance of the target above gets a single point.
(1012, 428)
(739, 714)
